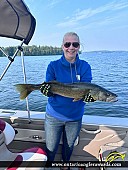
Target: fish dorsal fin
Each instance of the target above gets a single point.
(53, 81)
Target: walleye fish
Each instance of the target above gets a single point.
(76, 91)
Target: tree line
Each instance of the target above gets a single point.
(33, 50)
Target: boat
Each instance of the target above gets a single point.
(102, 142)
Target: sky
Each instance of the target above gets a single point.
(100, 24)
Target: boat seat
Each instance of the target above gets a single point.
(16, 161)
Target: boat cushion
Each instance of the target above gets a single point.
(32, 154)
(8, 131)
(27, 156)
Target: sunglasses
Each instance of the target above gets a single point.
(74, 44)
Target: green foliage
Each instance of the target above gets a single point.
(34, 50)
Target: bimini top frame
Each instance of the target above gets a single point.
(16, 22)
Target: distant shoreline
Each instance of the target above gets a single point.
(46, 51)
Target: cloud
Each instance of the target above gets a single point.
(71, 22)
(80, 15)
(53, 3)
(108, 20)
(121, 5)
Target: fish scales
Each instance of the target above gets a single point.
(68, 90)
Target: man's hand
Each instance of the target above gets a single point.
(88, 98)
(45, 89)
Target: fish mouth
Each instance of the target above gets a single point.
(112, 99)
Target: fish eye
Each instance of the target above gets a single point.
(108, 94)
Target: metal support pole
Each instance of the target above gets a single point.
(25, 81)
(4, 52)
(11, 59)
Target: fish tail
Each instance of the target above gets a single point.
(24, 90)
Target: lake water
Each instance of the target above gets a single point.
(109, 69)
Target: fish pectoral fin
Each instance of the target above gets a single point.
(76, 99)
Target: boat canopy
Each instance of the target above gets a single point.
(16, 21)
